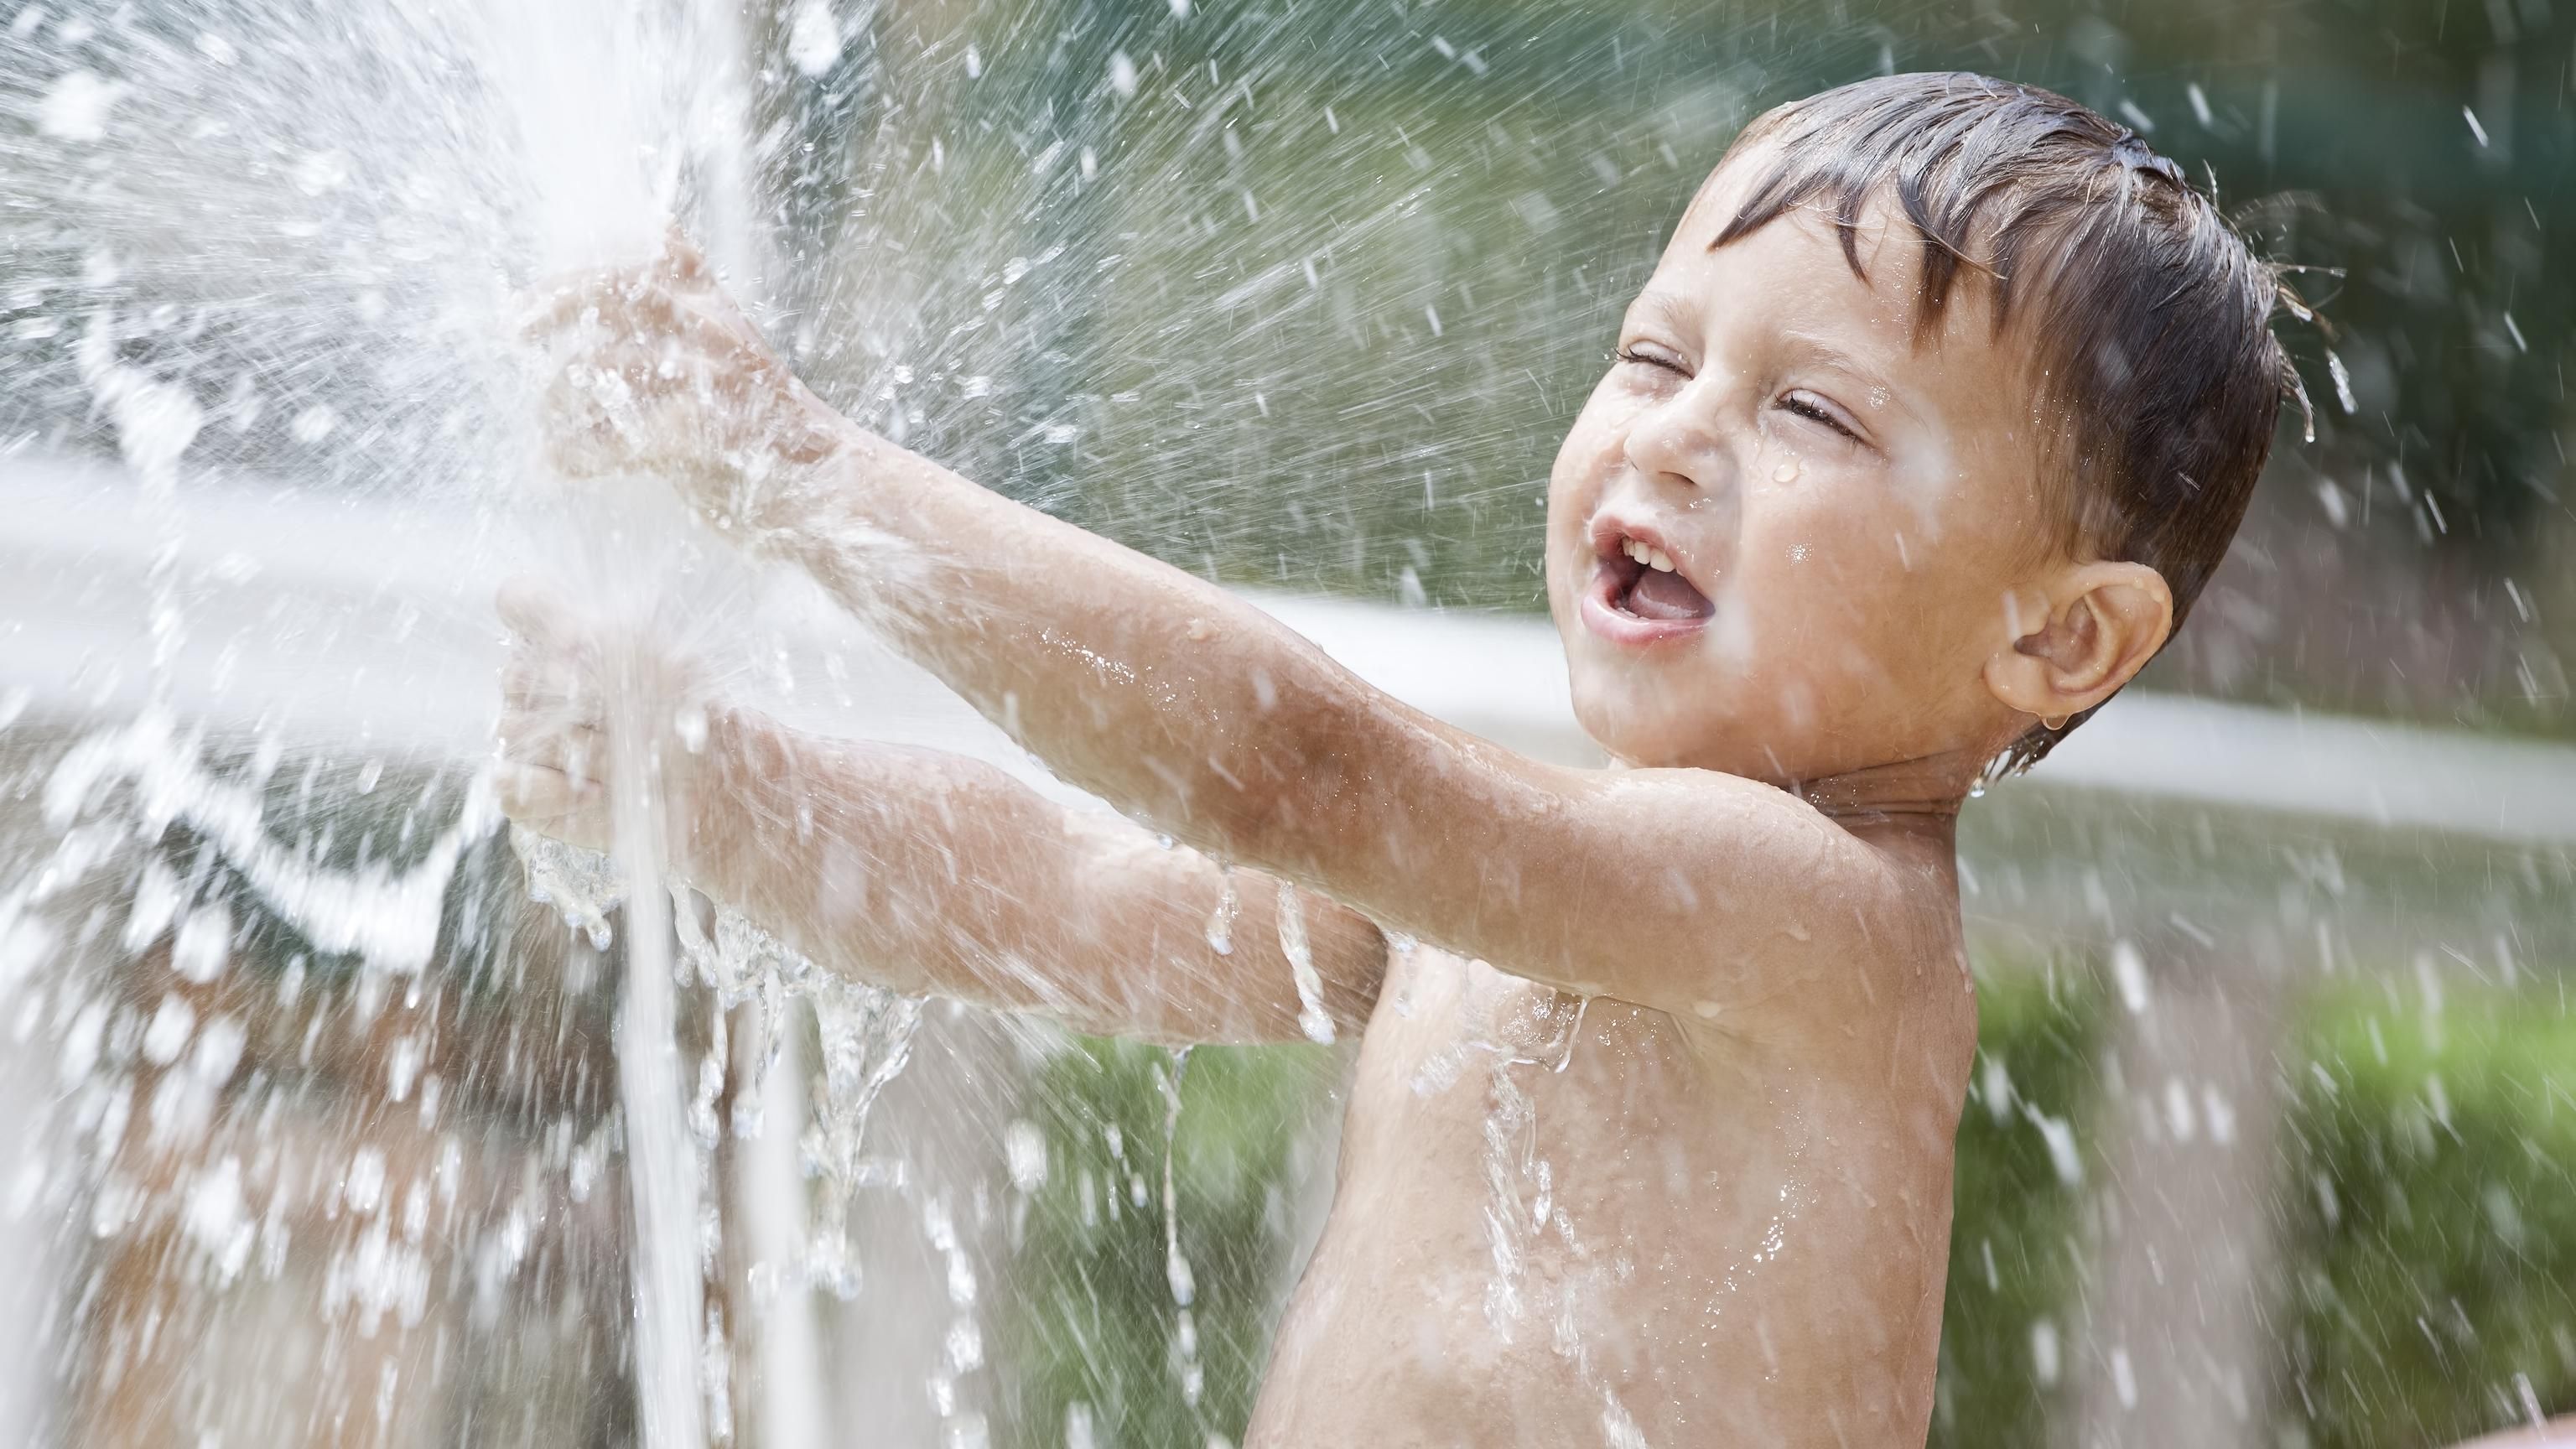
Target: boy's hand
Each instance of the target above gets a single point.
(557, 730)
(654, 370)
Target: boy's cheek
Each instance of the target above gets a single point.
(1592, 443)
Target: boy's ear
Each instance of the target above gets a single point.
(2071, 644)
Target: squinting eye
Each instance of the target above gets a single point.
(1808, 408)
(1648, 359)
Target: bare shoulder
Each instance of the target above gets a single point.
(1837, 880)
(1839, 918)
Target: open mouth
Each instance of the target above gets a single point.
(1638, 594)
(1649, 587)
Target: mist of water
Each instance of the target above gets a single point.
(1289, 296)
(504, 147)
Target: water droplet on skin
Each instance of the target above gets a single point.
(1311, 1015)
(1220, 925)
(1787, 472)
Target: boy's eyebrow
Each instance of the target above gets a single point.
(1822, 352)
(1664, 306)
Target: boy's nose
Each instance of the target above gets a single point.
(1676, 444)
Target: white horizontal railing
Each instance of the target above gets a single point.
(364, 619)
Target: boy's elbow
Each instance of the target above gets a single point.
(1290, 796)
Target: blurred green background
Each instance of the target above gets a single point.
(1304, 295)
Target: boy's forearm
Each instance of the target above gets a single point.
(909, 869)
(1135, 680)
(934, 874)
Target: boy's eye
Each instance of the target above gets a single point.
(1649, 357)
(1805, 406)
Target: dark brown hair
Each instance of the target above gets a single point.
(2158, 381)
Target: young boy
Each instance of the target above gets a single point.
(1943, 403)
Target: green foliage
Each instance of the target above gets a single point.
(2434, 1238)
(1095, 1330)
(2014, 1251)
(2431, 1228)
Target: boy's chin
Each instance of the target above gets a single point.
(1646, 734)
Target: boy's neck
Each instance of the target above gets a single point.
(1925, 791)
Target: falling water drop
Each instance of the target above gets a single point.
(1311, 1016)
(2342, 382)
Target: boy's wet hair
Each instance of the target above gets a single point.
(2158, 382)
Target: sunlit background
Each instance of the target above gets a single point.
(2275, 1118)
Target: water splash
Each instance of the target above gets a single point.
(1316, 1022)
(1178, 1276)
(867, 1034)
(389, 917)
(583, 886)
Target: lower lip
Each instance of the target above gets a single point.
(1624, 629)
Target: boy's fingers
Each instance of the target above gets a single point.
(549, 672)
(616, 293)
(583, 761)
(589, 450)
(531, 792)
(537, 699)
(631, 300)
(523, 690)
(558, 306)
(556, 737)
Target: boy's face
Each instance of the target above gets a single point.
(1829, 514)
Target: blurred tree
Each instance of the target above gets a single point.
(1345, 272)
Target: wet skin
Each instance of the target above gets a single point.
(1675, 1167)
(1700, 1241)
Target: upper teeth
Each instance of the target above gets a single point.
(1653, 558)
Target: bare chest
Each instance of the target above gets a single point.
(1598, 1126)
(1550, 1206)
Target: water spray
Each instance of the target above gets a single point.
(608, 171)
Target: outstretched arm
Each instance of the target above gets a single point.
(936, 874)
(1196, 711)
(1187, 707)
